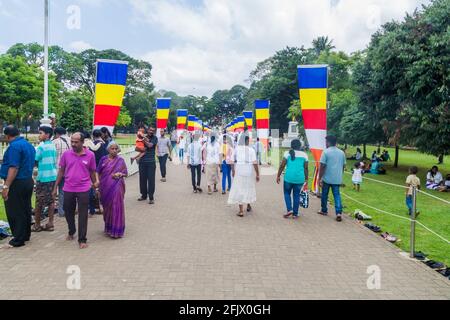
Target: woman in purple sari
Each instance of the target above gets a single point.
(112, 171)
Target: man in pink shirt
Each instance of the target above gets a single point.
(77, 167)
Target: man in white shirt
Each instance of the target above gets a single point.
(61, 142)
(194, 160)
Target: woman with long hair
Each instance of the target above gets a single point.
(295, 179)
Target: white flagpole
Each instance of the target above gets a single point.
(45, 121)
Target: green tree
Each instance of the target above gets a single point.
(322, 44)
(78, 113)
(21, 89)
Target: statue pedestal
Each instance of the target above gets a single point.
(292, 134)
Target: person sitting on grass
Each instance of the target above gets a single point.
(434, 179)
(358, 172)
(446, 186)
(412, 181)
(385, 156)
(377, 167)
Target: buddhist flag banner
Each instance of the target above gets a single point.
(110, 85)
(182, 115)
(313, 88)
(162, 113)
(262, 114)
(249, 119)
(191, 123)
(240, 124)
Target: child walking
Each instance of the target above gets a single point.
(412, 181)
(358, 172)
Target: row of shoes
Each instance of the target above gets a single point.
(435, 265)
(385, 235)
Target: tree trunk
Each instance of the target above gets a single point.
(379, 148)
(397, 149)
(364, 151)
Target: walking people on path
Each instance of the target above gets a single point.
(106, 135)
(112, 171)
(245, 172)
(212, 164)
(46, 157)
(259, 147)
(296, 177)
(332, 166)
(174, 139)
(181, 149)
(79, 172)
(226, 160)
(61, 142)
(164, 152)
(194, 160)
(17, 173)
(147, 167)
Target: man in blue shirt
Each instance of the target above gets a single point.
(332, 165)
(17, 171)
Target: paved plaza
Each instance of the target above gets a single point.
(193, 246)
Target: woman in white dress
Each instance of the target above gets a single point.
(212, 164)
(245, 172)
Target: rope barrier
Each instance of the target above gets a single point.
(397, 216)
(404, 187)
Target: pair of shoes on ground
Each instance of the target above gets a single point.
(358, 214)
(372, 227)
(145, 199)
(338, 216)
(434, 264)
(389, 237)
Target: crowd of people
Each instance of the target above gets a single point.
(71, 174)
(84, 175)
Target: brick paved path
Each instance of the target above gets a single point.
(190, 246)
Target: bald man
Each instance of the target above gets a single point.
(78, 168)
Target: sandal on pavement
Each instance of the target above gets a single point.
(322, 213)
(287, 215)
(48, 228)
(240, 214)
(249, 208)
(37, 229)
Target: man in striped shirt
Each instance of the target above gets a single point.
(45, 182)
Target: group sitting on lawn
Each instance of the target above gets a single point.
(435, 181)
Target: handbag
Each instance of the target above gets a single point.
(304, 199)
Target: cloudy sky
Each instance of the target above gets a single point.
(198, 46)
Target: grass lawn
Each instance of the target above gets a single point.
(434, 213)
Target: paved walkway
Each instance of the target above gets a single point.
(190, 246)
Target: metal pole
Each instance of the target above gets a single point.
(413, 223)
(45, 120)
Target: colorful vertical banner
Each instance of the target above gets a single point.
(182, 115)
(191, 123)
(240, 124)
(111, 79)
(262, 115)
(162, 113)
(249, 120)
(313, 88)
